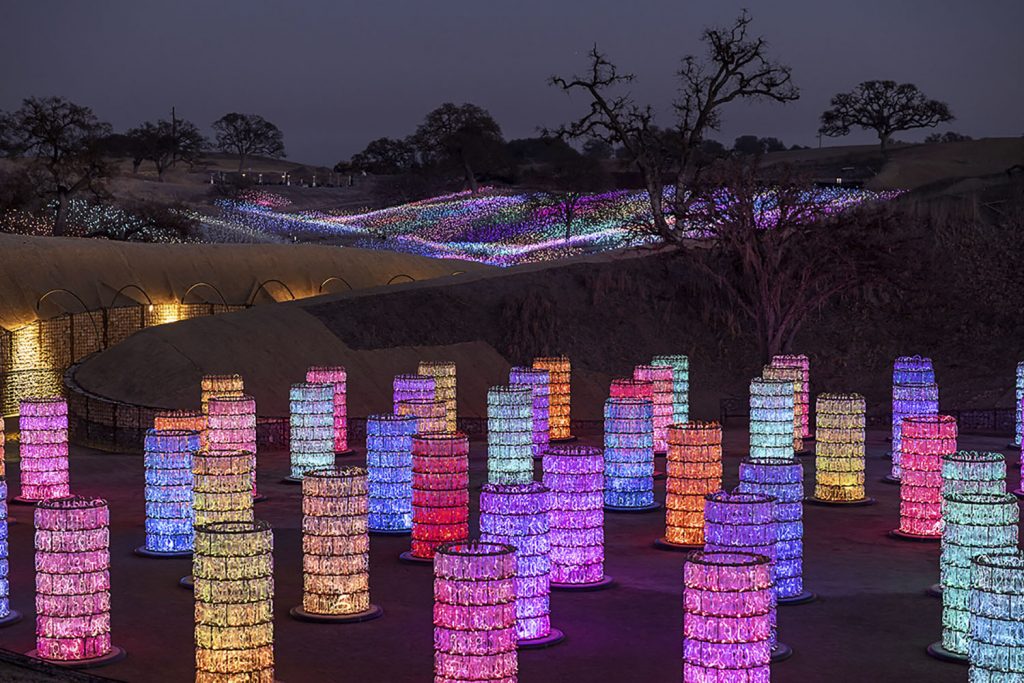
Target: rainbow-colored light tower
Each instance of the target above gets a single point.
(336, 376)
(389, 467)
(219, 386)
(771, 419)
(445, 389)
(783, 481)
(539, 383)
(803, 397)
(168, 492)
(728, 617)
(926, 439)
(7, 615)
(233, 568)
(440, 493)
(974, 524)
(680, 365)
(335, 547)
(44, 449)
(221, 486)
(414, 388)
(188, 420)
(694, 469)
(475, 613)
(1018, 404)
(509, 435)
(3, 459)
(995, 648)
(795, 377)
(231, 426)
(661, 381)
(311, 441)
(839, 453)
(628, 455)
(914, 392)
(429, 415)
(560, 372)
(73, 582)
(575, 477)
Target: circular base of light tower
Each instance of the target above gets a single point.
(863, 502)
(13, 617)
(939, 652)
(934, 590)
(259, 498)
(665, 544)
(116, 654)
(564, 439)
(646, 508)
(904, 536)
(781, 652)
(1011, 447)
(889, 479)
(1019, 492)
(143, 551)
(809, 437)
(366, 615)
(22, 500)
(349, 451)
(292, 480)
(802, 599)
(409, 558)
(605, 582)
(389, 532)
(187, 582)
(659, 475)
(554, 637)
(803, 452)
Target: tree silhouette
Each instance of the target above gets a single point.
(465, 135)
(247, 134)
(164, 143)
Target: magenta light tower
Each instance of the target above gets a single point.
(336, 376)
(44, 450)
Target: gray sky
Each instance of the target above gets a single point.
(334, 74)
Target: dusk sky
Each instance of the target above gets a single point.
(334, 74)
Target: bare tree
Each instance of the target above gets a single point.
(563, 187)
(64, 140)
(247, 134)
(884, 107)
(164, 143)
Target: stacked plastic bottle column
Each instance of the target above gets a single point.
(680, 385)
(660, 378)
(445, 389)
(233, 569)
(628, 453)
(475, 613)
(539, 383)
(336, 376)
(575, 477)
(783, 481)
(1018, 404)
(44, 449)
(221, 486)
(72, 579)
(231, 426)
(727, 618)
(995, 648)
(414, 388)
(560, 372)
(517, 515)
(5, 586)
(628, 387)
(973, 472)
(694, 470)
(168, 490)
(839, 452)
(311, 440)
(440, 491)
(914, 392)
(3, 459)
(803, 397)
(794, 376)
(188, 420)
(219, 386)
(926, 440)
(429, 414)
(389, 467)
(975, 524)
(771, 419)
(509, 435)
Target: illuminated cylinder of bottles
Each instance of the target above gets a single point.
(231, 426)
(444, 376)
(803, 394)
(926, 439)
(539, 383)
(914, 392)
(628, 454)
(475, 613)
(414, 387)
(660, 379)
(389, 467)
(7, 616)
(727, 617)
(221, 486)
(219, 386)
(974, 524)
(794, 376)
(440, 492)
(839, 452)
(560, 371)
(783, 481)
(509, 435)
(3, 460)
(233, 570)
(44, 449)
(311, 442)
(72, 579)
(771, 419)
(973, 472)
(335, 546)
(429, 414)
(1018, 404)
(694, 469)
(168, 491)
(575, 477)
(188, 420)
(995, 648)
(680, 365)
(336, 376)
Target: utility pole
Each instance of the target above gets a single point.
(174, 137)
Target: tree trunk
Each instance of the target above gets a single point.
(884, 139)
(241, 161)
(60, 221)
(570, 216)
(470, 176)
